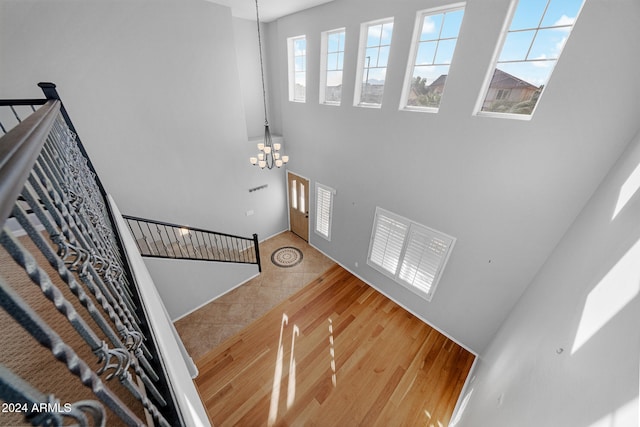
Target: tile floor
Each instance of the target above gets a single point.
(205, 328)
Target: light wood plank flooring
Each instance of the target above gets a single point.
(204, 329)
(336, 353)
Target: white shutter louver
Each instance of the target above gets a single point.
(423, 259)
(324, 208)
(411, 254)
(387, 243)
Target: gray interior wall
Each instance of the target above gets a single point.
(506, 189)
(154, 91)
(569, 352)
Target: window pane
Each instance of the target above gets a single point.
(427, 86)
(432, 59)
(426, 53)
(445, 51)
(528, 14)
(561, 12)
(371, 59)
(548, 44)
(300, 47)
(383, 56)
(374, 62)
(431, 27)
(332, 61)
(334, 78)
(294, 194)
(331, 84)
(517, 45)
(374, 35)
(333, 42)
(452, 23)
(518, 95)
(387, 30)
(303, 207)
(528, 57)
(297, 68)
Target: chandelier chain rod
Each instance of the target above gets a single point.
(264, 92)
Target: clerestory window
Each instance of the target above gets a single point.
(373, 56)
(435, 36)
(529, 51)
(332, 64)
(297, 50)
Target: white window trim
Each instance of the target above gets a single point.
(410, 227)
(362, 48)
(417, 30)
(291, 60)
(324, 49)
(331, 192)
(494, 62)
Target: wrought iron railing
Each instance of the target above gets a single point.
(66, 284)
(157, 239)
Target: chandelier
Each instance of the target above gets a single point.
(268, 152)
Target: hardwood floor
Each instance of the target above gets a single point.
(336, 353)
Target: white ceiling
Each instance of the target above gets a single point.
(269, 9)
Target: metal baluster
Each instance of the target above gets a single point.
(112, 359)
(61, 199)
(116, 359)
(133, 339)
(64, 218)
(16, 390)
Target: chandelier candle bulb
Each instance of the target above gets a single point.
(267, 149)
(285, 159)
(253, 160)
(276, 146)
(260, 146)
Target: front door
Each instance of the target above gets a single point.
(298, 205)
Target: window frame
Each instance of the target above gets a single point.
(291, 59)
(410, 227)
(362, 54)
(506, 29)
(331, 193)
(413, 53)
(324, 53)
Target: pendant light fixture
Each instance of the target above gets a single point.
(268, 152)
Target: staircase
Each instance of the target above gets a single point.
(157, 239)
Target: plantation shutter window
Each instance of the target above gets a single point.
(410, 253)
(324, 210)
(388, 238)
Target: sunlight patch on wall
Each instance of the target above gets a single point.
(626, 415)
(628, 189)
(620, 285)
